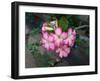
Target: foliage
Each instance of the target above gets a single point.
(73, 21)
(42, 60)
(62, 22)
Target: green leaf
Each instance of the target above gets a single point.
(42, 60)
(62, 22)
(47, 18)
(35, 31)
(73, 20)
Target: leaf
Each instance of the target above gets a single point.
(43, 60)
(47, 18)
(73, 20)
(35, 31)
(62, 22)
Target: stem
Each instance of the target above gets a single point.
(83, 26)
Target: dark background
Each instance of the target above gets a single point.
(79, 54)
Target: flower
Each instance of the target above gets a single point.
(59, 36)
(58, 40)
(71, 33)
(44, 27)
(48, 41)
(71, 36)
(63, 51)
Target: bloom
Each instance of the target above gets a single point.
(44, 27)
(71, 33)
(63, 51)
(59, 36)
(71, 37)
(48, 41)
(58, 40)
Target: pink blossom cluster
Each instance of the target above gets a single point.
(58, 40)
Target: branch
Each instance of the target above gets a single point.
(83, 26)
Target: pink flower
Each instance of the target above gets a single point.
(71, 33)
(44, 27)
(63, 51)
(59, 36)
(57, 40)
(48, 41)
(70, 40)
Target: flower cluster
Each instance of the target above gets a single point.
(58, 40)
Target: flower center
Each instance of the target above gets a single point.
(59, 36)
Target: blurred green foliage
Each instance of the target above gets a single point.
(35, 31)
(63, 22)
(73, 21)
(42, 60)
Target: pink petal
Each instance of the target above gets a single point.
(58, 42)
(66, 41)
(43, 40)
(71, 43)
(69, 31)
(45, 35)
(46, 45)
(44, 24)
(72, 37)
(51, 38)
(63, 51)
(55, 37)
(43, 28)
(61, 54)
(64, 35)
(74, 32)
(58, 31)
(52, 46)
(67, 50)
(52, 34)
(58, 50)
(65, 54)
